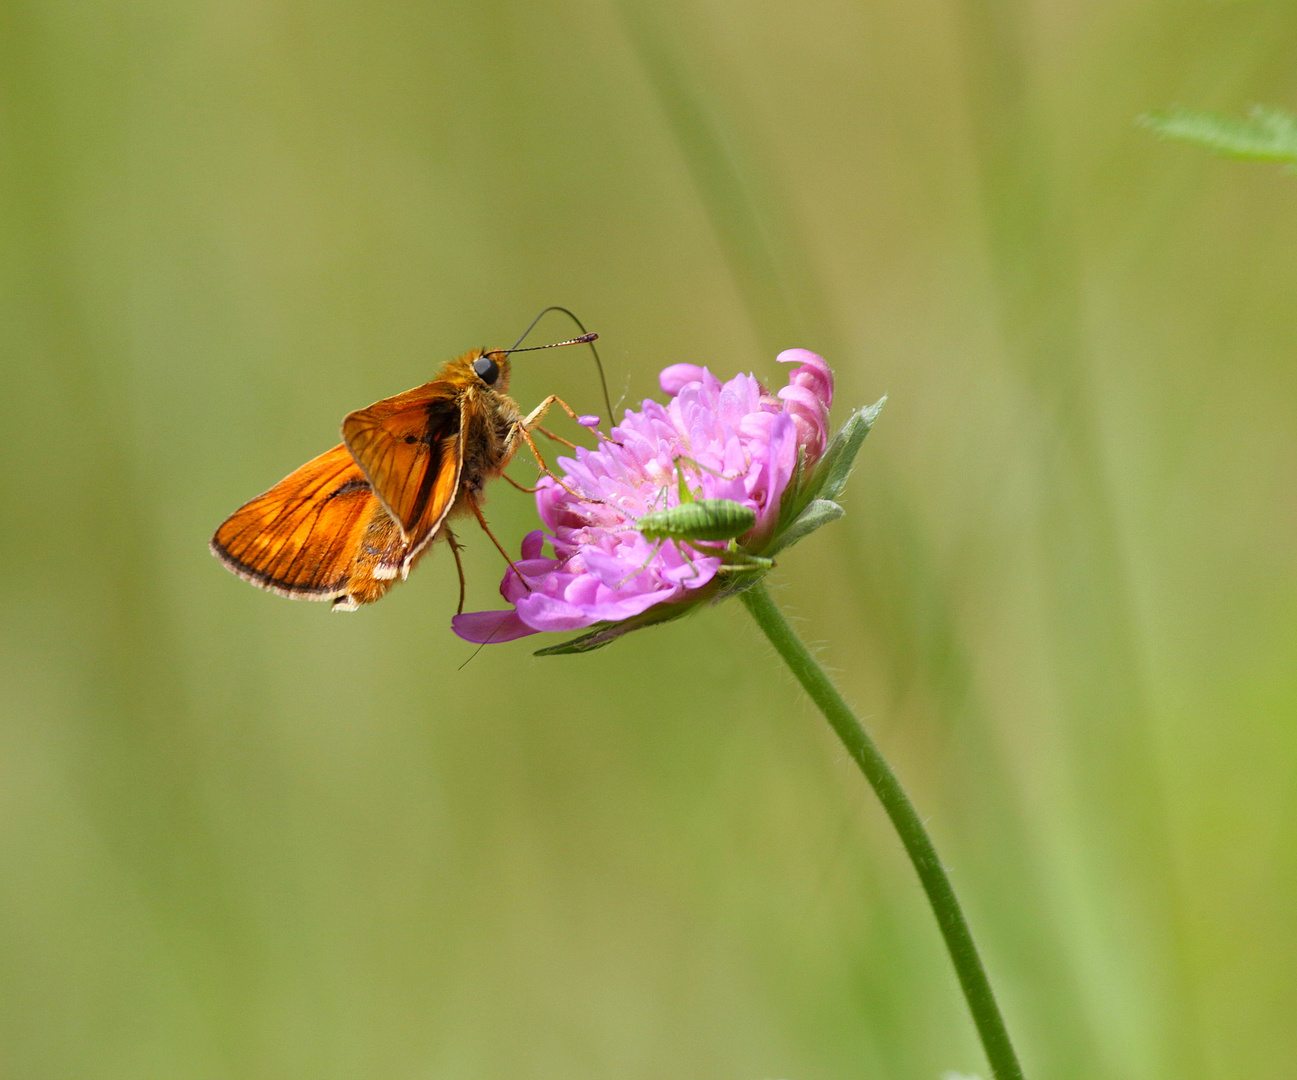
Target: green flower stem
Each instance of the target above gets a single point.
(959, 942)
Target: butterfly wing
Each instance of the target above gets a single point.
(302, 538)
(411, 450)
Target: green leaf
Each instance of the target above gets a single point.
(1266, 135)
(819, 512)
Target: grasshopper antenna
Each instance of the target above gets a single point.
(586, 338)
(473, 655)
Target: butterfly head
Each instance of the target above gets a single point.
(491, 367)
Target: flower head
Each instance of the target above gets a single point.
(732, 441)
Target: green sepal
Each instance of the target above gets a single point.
(607, 633)
(840, 457)
(819, 512)
(826, 479)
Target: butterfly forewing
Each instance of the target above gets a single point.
(410, 450)
(301, 537)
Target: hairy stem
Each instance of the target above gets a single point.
(959, 942)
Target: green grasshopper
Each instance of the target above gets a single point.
(700, 520)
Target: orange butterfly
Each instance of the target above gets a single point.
(349, 523)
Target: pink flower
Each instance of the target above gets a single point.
(734, 441)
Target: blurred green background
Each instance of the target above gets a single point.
(244, 838)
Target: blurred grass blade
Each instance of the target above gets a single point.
(766, 256)
(1266, 135)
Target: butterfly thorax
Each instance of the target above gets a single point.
(490, 422)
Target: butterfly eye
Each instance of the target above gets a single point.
(486, 369)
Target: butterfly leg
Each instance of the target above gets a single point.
(477, 512)
(556, 438)
(525, 435)
(533, 419)
(455, 547)
(537, 414)
(520, 487)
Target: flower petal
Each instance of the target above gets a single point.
(813, 372)
(481, 627)
(676, 377)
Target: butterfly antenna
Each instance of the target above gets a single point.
(586, 338)
(583, 339)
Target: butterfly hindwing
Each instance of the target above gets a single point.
(301, 537)
(410, 448)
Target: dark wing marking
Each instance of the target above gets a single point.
(410, 449)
